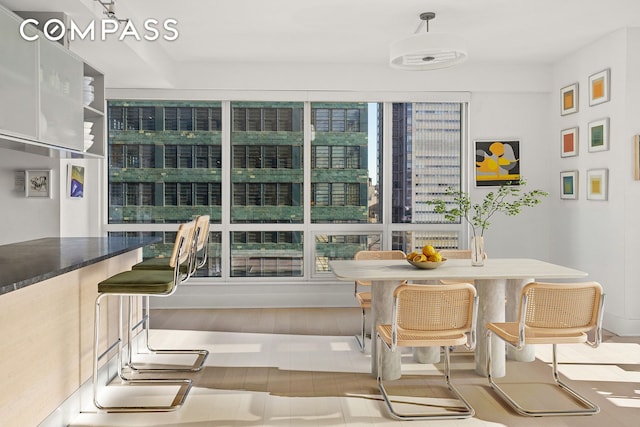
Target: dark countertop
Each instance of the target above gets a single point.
(25, 263)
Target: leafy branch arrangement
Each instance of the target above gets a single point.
(509, 200)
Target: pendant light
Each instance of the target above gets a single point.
(427, 51)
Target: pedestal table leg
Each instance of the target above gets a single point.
(381, 312)
(514, 287)
(491, 294)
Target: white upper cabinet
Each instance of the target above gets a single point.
(18, 80)
(48, 96)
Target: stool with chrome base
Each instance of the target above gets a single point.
(187, 268)
(552, 313)
(425, 316)
(132, 284)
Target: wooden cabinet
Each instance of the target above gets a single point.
(42, 87)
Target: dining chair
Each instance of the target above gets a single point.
(364, 297)
(552, 313)
(456, 254)
(145, 283)
(426, 316)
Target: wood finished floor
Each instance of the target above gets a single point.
(301, 367)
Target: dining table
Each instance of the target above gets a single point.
(498, 284)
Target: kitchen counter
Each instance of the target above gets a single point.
(26, 263)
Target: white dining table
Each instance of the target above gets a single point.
(498, 284)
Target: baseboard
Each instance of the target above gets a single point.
(82, 399)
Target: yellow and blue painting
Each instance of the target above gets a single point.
(76, 181)
(497, 163)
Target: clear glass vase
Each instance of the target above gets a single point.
(477, 251)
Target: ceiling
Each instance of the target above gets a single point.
(337, 31)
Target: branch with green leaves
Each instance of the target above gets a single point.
(508, 199)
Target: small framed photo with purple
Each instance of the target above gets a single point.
(569, 142)
(569, 185)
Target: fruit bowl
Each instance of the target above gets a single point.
(427, 265)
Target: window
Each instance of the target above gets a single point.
(166, 166)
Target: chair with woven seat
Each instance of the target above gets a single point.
(364, 297)
(456, 254)
(426, 316)
(144, 283)
(198, 256)
(552, 313)
(187, 269)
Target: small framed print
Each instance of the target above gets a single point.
(76, 181)
(569, 99)
(597, 184)
(599, 135)
(569, 142)
(599, 87)
(569, 185)
(37, 183)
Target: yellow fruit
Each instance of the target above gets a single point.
(435, 257)
(419, 258)
(428, 250)
(411, 256)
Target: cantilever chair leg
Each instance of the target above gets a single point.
(361, 339)
(590, 407)
(197, 364)
(183, 384)
(466, 411)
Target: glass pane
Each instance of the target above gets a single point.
(427, 144)
(409, 241)
(211, 268)
(342, 246)
(267, 162)
(267, 254)
(345, 162)
(164, 174)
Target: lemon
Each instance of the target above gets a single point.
(435, 257)
(419, 258)
(412, 255)
(428, 250)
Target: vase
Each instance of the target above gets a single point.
(477, 251)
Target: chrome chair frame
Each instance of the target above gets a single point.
(364, 298)
(470, 344)
(185, 385)
(525, 331)
(202, 354)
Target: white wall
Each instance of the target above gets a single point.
(601, 237)
(524, 117)
(24, 218)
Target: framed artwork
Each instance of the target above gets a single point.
(76, 181)
(569, 185)
(37, 183)
(597, 184)
(599, 135)
(636, 157)
(569, 142)
(599, 87)
(497, 162)
(569, 99)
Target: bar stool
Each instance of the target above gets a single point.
(187, 269)
(143, 283)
